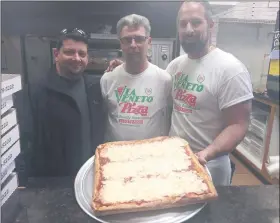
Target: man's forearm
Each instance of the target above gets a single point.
(227, 140)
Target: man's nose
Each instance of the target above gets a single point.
(133, 43)
(189, 29)
(76, 57)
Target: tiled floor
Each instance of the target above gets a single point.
(242, 175)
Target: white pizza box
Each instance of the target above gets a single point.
(6, 173)
(11, 83)
(8, 121)
(10, 156)
(6, 104)
(9, 187)
(9, 139)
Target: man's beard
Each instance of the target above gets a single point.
(193, 47)
(197, 46)
(73, 76)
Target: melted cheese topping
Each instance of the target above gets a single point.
(166, 164)
(143, 167)
(166, 148)
(177, 184)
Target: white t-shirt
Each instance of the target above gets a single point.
(137, 105)
(202, 88)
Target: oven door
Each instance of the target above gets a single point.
(99, 59)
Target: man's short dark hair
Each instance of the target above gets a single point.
(207, 7)
(73, 36)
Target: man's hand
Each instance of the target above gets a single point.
(203, 157)
(113, 64)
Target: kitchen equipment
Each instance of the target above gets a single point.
(161, 52)
(99, 59)
(83, 191)
(102, 49)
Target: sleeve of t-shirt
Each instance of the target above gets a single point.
(170, 67)
(103, 85)
(169, 92)
(236, 89)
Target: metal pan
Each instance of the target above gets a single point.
(83, 191)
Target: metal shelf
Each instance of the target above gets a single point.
(247, 21)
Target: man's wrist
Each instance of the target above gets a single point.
(210, 153)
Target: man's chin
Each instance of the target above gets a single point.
(134, 57)
(189, 47)
(193, 47)
(77, 72)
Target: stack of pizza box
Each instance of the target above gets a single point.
(10, 144)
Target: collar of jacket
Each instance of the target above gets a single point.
(92, 85)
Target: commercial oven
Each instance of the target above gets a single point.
(161, 52)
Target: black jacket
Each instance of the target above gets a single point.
(51, 127)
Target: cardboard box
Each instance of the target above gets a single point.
(8, 188)
(9, 139)
(6, 104)
(6, 173)
(8, 121)
(10, 156)
(11, 83)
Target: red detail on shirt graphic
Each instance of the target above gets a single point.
(183, 96)
(133, 108)
(120, 90)
(182, 109)
(178, 74)
(148, 91)
(132, 122)
(200, 78)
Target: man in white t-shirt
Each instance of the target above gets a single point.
(211, 93)
(136, 93)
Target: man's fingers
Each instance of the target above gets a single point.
(201, 160)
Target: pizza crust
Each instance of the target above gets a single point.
(202, 172)
(97, 177)
(167, 202)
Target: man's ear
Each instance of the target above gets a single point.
(55, 53)
(211, 23)
(149, 40)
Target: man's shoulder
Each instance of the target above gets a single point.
(38, 86)
(178, 59)
(232, 69)
(161, 73)
(113, 74)
(228, 61)
(175, 63)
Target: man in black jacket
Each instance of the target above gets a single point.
(67, 120)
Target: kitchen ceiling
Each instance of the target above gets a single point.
(86, 8)
(50, 17)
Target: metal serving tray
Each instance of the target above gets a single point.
(83, 191)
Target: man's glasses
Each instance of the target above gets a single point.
(137, 39)
(73, 31)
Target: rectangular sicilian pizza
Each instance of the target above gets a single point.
(157, 173)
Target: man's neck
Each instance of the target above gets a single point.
(136, 68)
